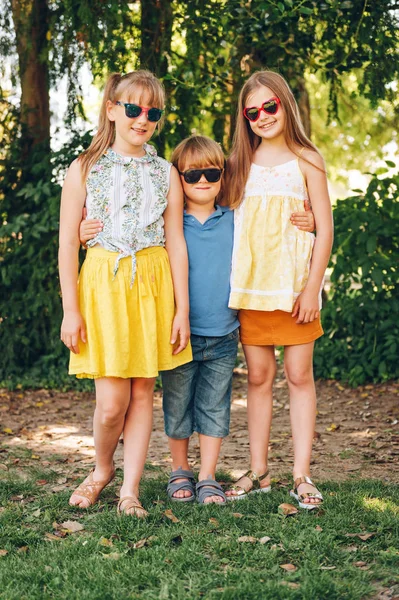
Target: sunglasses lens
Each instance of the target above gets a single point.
(252, 113)
(212, 175)
(192, 176)
(270, 107)
(154, 114)
(132, 110)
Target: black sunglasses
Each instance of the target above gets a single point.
(134, 110)
(212, 175)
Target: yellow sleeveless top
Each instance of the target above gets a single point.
(271, 257)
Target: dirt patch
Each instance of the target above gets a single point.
(357, 432)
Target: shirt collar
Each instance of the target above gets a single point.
(150, 155)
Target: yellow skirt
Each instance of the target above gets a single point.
(128, 328)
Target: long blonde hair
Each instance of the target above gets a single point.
(245, 141)
(116, 86)
(199, 151)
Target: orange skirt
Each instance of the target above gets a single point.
(276, 328)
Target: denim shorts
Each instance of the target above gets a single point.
(196, 396)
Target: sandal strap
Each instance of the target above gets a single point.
(181, 474)
(305, 479)
(132, 503)
(207, 488)
(92, 489)
(255, 480)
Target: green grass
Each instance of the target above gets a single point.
(197, 557)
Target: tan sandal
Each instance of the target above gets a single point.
(91, 489)
(301, 497)
(131, 504)
(253, 487)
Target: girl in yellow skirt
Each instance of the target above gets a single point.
(277, 269)
(126, 318)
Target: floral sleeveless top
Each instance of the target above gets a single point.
(129, 196)
(271, 257)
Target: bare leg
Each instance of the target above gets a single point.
(112, 401)
(209, 449)
(136, 435)
(261, 364)
(298, 363)
(179, 451)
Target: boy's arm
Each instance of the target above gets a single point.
(88, 228)
(304, 220)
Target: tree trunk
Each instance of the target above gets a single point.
(156, 39)
(31, 26)
(156, 35)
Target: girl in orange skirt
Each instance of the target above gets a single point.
(127, 317)
(277, 269)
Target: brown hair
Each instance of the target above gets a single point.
(117, 86)
(245, 141)
(199, 151)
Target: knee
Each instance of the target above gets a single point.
(261, 376)
(143, 392)
(111, 416)
(299, 377)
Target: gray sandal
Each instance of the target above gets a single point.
(209, 487)
(175, 486)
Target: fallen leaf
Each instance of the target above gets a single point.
(287, 509)
(351, 548)
(112, 555)
(105, 542)
(58, 488)
(333, 427)
(3, 467)
(291, 584)
(7, 430)
(318, 528)
(247, 538)
(361, 536)
(140, 544)
(237, 515)
(288, 567)
(35, 457)
(214, 521)
(360, 563)
(36, 513)
(52, 538)
(41, 482)
(72, 526)
(328, 568)
(264, 539)
(169, 515)
(3, 552)
(23, 549)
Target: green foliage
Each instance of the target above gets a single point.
(30, 305)
(361, 318)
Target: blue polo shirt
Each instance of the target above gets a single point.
(210, 249)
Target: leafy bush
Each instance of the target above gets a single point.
(361, 317)
(30, 304)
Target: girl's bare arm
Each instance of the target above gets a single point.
(177, 250)
(306, 307)
(72, 202)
